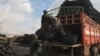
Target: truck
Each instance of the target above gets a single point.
(75, 21)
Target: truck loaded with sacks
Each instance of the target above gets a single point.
(73, 29)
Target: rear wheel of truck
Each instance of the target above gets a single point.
(94, 51)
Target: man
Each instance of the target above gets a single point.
(48, 21)
(34, 47)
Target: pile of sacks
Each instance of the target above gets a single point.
(88, 8)
(6, 50)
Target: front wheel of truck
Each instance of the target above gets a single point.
(94, 51)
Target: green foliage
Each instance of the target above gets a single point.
(25, 40)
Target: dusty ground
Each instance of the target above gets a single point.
(21, 51)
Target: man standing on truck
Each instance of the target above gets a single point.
(34, 47)
(48, 25)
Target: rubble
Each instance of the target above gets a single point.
(6, 50)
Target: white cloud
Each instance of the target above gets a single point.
(36, 24)
(96, 4)
(13, 14)
(21, 6)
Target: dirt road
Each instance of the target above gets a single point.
(21, 51)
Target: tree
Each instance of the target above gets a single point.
(25, 40)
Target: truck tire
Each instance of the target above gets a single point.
(94, 51)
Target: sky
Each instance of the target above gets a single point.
(24, 16)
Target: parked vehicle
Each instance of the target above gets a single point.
(82, 36)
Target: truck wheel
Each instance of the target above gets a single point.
(94, 51)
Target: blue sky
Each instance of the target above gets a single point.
(24, 16)
(40, 5)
